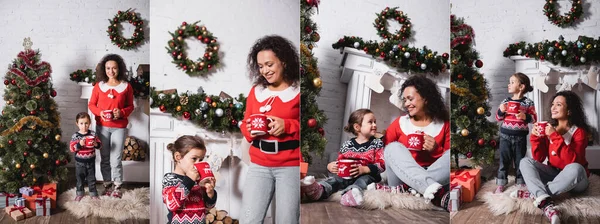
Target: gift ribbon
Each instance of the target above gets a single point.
(463, 176)
(42, 202)
(15, 208)
(38, 191)
(8, 196)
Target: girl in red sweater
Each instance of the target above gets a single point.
(187, 199)
(275, 156)
(426, 171)
(563, 143)
(111, 103)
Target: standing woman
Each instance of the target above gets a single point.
(111, 103)
(563, 143)
(275, 156)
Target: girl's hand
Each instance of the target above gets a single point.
(95, 144)
(277, 126)
(429, 143)
(502, 107)
(549, 130)
(358, 170)
(209, 183)
(535, 131)
(521, 116)
(248, 126)
(116, 114)
(82, 142)
(332, 167)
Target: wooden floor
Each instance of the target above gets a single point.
(61, 216)
(333, 212)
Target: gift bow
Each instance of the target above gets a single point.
(463, 176)
(8, 196)
(39, 191)
(15, 208)
(41, 202)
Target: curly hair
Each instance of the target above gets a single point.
(575, 107)
(101, 68)
(356, 117)
(284, 50)
(434, 106)
(523, 79)
(185, 143)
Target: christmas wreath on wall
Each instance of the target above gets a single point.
(568, 19)
(176, 48)
(114, 30)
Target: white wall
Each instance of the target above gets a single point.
(500, 23)
(70, 35)
(337, 18)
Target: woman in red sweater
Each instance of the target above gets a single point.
(111, 103)
(275, 156)
(428, 170)
(563, 143)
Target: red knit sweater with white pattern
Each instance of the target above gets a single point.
(561, 150)
(186, 201)
(105, 97)
(511, 125)
(84, 154)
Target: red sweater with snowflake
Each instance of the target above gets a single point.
(106, 97)
(84, 154)
(186, 201)
(561, 150)
(400, 128)
(368, 154)
(285, 105)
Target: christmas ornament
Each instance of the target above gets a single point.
(53, 93)
(479, 63)
(321, 131)
(564, 52)
(481, 142)
(162, 108)
(312, 123)
(464, 132)
(520, 52)
(423, 66)
(204, 105)
(317, 82)
(208, 99)
(57, 162)
(115, 34)
(493, 143)
(197, 112)
(176, 49)
(29, 142)
(10, 142)
(219, 112)
(178, 108)
(32, 166)
(186, 115)
(57, 137)
(45, 155)
(469, 155)
(582, 59)
(406, 55)
(25, 154)
(480, 111)
(18, 166)
(214, 104)
(23, 175)
(315, 37)
(463, 108)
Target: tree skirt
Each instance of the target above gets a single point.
(378, 199)
(134, 204)
(585, 204)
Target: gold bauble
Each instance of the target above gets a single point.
(179, 38)
(430, 55)
(45, 155)
(464, 132)
(403, 49)
(18, 166)
(57, 137)
(480, 110)
(214, 104)
(455, 62)
(310, 46)
(32, 166)
(589, 46)
(178, 108)
(317, 82)
(377, 50)
(34, 180)
(216, 48)
(201, 64)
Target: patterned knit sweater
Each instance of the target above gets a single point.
(84, 154)
(186, 201)
(511, 125)
(368, 154)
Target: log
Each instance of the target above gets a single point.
(235, 221)
(213, 211)
(218, 222)
(227, 220)
(210, 218)
(221, 214)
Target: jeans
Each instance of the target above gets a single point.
(512, 150)
(543, 180)
(85, 172)
(336, 183)
(113, 140)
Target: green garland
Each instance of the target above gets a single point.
(392, 51)
(176, 48)
(140, 84)
(584, 51)
(213, 113)
(114, 30)
(568, 19)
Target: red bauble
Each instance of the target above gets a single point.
(41, 109)
(187, 115)
(542, 57)
(463, 108)
(557, 45)
(312, 123)
(469, 155)
(29, 142)
(460, 76)
(307, 29)
(22, 66)
(445, 55)
(481, 142)
(206, 55)
(10, 142)
(365, 49)
(322, 131)
(479, 63)
(382, 55)
(53, 93)
(209, 66)
(174, 53)
(493, 143)
(233, 122)
(14, 82)
(162, 108)
(418, 64)
(25, 153)
(6, 82)
(185, 67)
(32, 112)
(23, 175)
(57, 162)
(46, 73)
(180, 32)
(28, 92)
(208, 99)
(206, 40)
(119, 12)
(184, 24)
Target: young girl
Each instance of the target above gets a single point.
(187, 199)
(514, 129)
(85, 157)
(366, 150)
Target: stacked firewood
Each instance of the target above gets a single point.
(215, 216)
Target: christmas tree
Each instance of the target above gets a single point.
(313, 119)
(473, 135)
(30, 149)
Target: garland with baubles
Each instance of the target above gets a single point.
(568, 19)
(392, 51)
(584, 51)
(114, 30)
(176, 48)
(214, 113)
(139, 84)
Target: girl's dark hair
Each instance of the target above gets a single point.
(284, 50)
(186, 143)
(356, 117)
(101, 68)
(575, 107)
(434, 102)
(523, 79)
(82, 115)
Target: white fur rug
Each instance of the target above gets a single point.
(377, 199)
(134, 204)
(579, 205)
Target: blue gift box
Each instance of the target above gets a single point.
(26, 191)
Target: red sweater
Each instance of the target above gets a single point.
(286, 105)
(186, 201)
(399, 130)
(84, 154)
(561, 150)
(106, 97)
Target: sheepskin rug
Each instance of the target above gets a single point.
(585, 204)
(134, 204)
(378, 199)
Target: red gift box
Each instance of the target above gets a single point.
(468, 184)
(303, 169)
(473, 172)
(47, 190)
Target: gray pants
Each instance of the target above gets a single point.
(512, 149)
(402, 168)
(113, 140)
(85, 172)
(336, 183)
(543, 180)
(261, 184)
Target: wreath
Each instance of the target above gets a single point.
(114, 30)
(381, 24)
(563, 21)
(176, 48)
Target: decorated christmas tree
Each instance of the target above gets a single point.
(473, 135)
(313, 119)
(30, 149)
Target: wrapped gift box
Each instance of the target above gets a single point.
(27, 191)
(473, 172)
(42, 206)
(20, 202)
(455, 198)
(303, 169)
(18, 213)
(468, 185)
(47, 190)
(7, 199)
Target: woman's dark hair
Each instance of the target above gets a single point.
(284, 50)
(434, 106)
(82, 115)
(575, 110)
(356, 117)
(523, 79)
(101, 68)
(186, 143)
